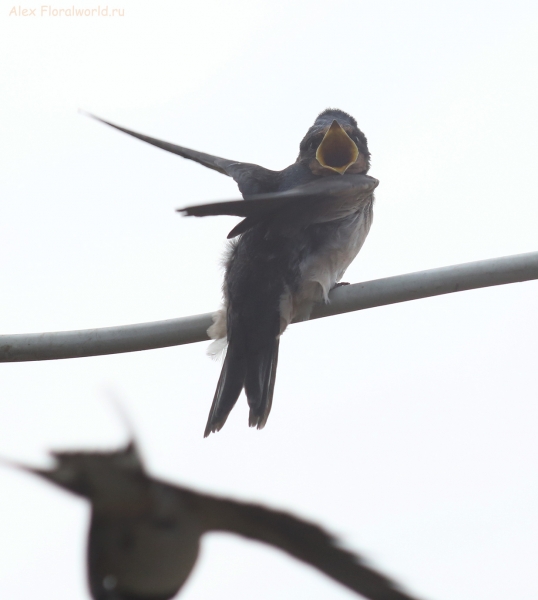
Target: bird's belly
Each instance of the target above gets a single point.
(322, 268)
(331, 250)
(145, 560)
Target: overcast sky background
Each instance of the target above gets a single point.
(409, 430)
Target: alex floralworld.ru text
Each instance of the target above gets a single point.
(50, 11)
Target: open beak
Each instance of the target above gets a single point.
(337, 150)
(44, 473)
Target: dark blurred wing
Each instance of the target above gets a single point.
(250, 178)
(300, 539)
(320, 201)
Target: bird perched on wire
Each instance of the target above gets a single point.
(145, 534)
(301, 229)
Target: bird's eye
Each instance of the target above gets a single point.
(315, 142)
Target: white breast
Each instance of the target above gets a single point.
(321, 270)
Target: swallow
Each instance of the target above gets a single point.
(300, 230)
(144, 534)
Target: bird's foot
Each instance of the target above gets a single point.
(340, 283)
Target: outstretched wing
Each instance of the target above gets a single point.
(300, 539)
(320, 201)
(250, 178)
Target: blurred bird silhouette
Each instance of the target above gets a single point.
(301, 229)
(145, 534)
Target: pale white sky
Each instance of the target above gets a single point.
(409, 430)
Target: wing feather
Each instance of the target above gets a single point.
(320, 201)
(251, 178)
(303, 540)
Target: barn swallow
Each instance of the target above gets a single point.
(145, 534)
(301, 229)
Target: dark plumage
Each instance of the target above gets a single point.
(144, 534)
(301, 229)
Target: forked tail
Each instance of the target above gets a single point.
(256, 372)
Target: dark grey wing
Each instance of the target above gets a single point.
(300, 539)
(251, 178)
(320, 201)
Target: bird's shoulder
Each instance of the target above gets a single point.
(253, 179)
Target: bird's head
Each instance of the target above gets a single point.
(110, 480)
(335, 145)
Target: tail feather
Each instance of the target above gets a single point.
(231, 382)
(260, 382)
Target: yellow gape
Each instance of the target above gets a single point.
(337, 150)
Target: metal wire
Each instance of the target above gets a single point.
(187, 330)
